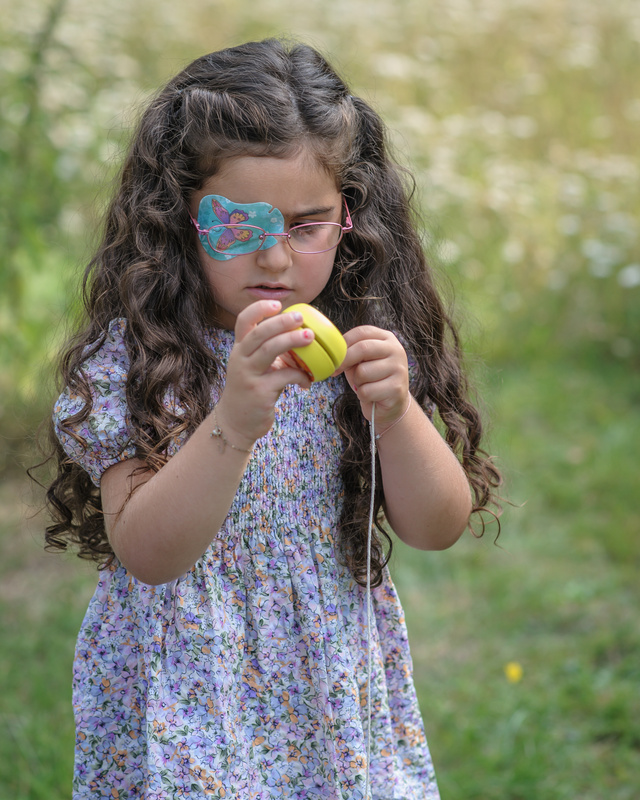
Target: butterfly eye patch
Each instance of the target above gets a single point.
(228, 229)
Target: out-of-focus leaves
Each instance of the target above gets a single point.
(520, 121)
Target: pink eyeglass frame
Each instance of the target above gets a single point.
(287, 234)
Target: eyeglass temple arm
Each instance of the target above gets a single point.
(349, 225)
(201, 232)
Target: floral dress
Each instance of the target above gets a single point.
(246, 677)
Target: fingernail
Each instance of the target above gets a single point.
(307, 334)
(297, 316)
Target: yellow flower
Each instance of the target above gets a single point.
(513, 671)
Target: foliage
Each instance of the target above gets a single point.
(521, 122)
(558, 598)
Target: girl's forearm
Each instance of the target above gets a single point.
(427, 495)
(164, 527)
(161, 530)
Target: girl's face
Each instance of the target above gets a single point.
(303, 192)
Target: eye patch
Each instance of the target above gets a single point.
(217, 210)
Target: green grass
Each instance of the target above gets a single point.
(37, 729)
(42, 601)
(559, 595)
(521, 122)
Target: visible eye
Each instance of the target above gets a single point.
(306, 230)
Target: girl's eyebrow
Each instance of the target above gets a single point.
(314, 212)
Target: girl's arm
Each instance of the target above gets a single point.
(159, 531)
(427, 495)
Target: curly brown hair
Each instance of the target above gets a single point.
(266, 98)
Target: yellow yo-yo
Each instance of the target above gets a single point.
(321, 357)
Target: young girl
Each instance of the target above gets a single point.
(225, 496)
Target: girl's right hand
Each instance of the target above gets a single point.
(257, 372)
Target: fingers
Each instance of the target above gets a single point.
(257, 372)
(373, 354)
(254, 314)
(263, 334)
(376, 368)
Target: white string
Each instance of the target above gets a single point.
(372, 428)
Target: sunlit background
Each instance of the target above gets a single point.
(521, 123)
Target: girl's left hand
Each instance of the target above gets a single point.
(377, 370)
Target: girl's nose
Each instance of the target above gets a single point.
(275, 258)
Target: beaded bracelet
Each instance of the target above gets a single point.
(217, 433)
(393, 424)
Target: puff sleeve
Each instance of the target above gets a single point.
(105, 436)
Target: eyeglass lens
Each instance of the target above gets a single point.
(309, 238)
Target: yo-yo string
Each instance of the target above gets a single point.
(368, 593)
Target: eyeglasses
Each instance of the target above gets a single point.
(308, 238)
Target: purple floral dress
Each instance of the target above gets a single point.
(245, 678)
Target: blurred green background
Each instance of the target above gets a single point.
(521, 121)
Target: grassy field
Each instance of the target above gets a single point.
(521, 121)
(558, 597)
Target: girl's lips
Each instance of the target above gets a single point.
(269, 292)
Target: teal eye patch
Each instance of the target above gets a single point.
(222, 243)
